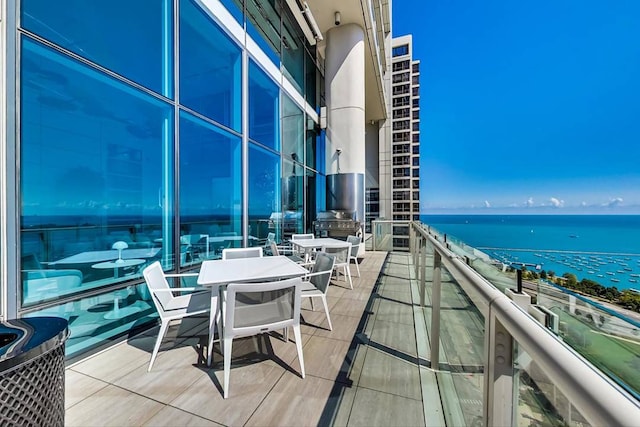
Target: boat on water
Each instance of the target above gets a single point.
(615, 280)
(611, 273)
(634, 275)
(633, 280)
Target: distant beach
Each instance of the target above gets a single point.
(602, 248)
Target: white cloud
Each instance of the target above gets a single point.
(557, 203)
(617, 201)
(487, 204)
(529, 202)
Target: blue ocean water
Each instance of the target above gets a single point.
(604, 248)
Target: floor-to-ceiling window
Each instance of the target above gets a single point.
(293, 140)
(96, 131)
(210, 189)
(131, 153)
(265, 204)
(210, 146)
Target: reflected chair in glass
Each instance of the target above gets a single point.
(171, 307)
(235, 253)
(196, 246)
(316, 283)
(256, 308)
(355, 247)
(271, 237)
(341, 253)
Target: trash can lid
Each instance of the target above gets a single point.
(29, 337)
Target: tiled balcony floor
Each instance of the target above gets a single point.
(364, 372)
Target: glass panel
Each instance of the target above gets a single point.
(538, 401)
(265, 208)
(95, 160)
(210, 189)
(210, 68)
(235, 8)
(131, 38)
(321, 193)
(311, 200)
(310, 87)
(310, 150)
(97, 319)
(263, 25)
(293, 53)
(264, 108)
(292, 195)
(292, 130)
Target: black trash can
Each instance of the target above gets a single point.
(32, 371)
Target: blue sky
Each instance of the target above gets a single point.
(527, 106)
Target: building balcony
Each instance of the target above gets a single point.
(422, 339)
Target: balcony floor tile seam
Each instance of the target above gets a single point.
(390, 394)
(266, 395)
(105, 384)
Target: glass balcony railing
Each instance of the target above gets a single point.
(543, 356)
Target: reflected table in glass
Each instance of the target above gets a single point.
(117, 265)
(120, 312)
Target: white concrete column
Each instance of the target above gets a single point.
(345, 96)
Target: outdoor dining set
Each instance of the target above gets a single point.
(254, 290)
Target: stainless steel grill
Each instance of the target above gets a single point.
(336, 224)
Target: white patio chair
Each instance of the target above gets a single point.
(235, 253)
(171, 307)
(256, 308)
(286, 251)
(341, 252)
(355, 246)
(316, 283)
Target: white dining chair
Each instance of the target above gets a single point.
(316, 283)
(235, 253)
(171, 307)
(341, 253)
(256, 308)
(355, 247)
(285, 251)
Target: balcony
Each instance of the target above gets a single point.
(409, 347)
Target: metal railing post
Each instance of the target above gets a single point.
(435, 310)
(498, 403)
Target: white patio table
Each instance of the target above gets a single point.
(309, 244)
(217, 273)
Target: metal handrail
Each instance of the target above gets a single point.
(600, 400)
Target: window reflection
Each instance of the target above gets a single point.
(265, 209)
(141, 48)
(210, 190)
(292, 198)
(210, 68)
(293, 137)
(264, 108)
(91, 175)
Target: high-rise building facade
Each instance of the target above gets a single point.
(395, 195)
(170, 129)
